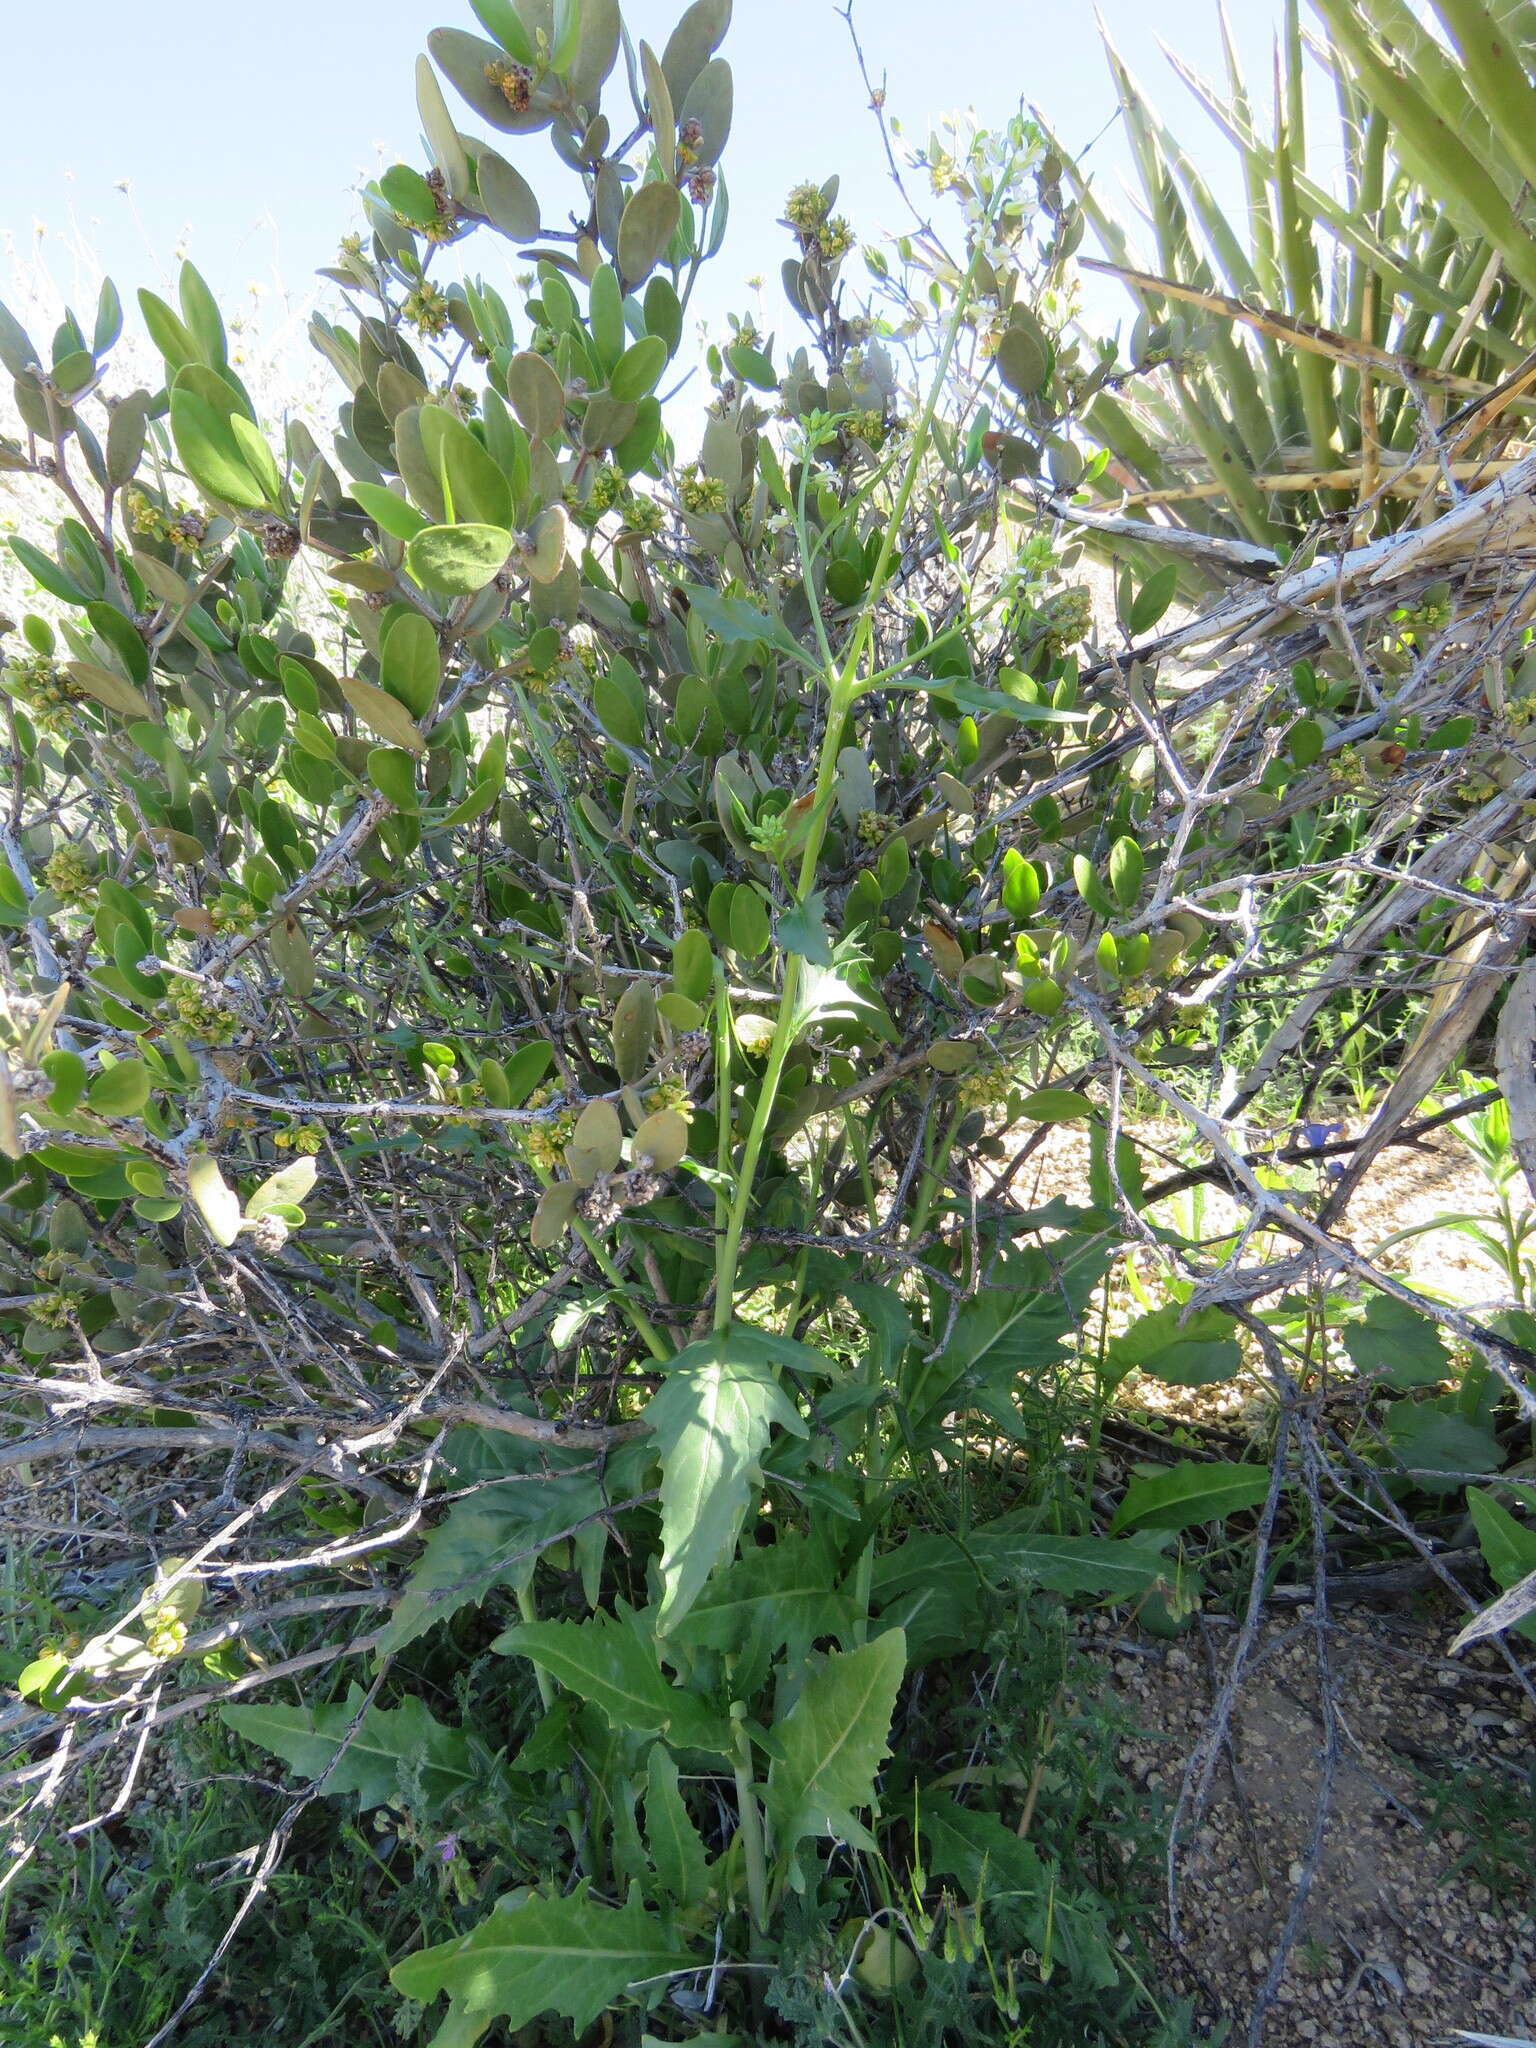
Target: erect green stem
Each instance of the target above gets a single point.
(643, 1327)
(843, 685)
(528, 1612)
(928, 1186)
(891, 540)
(730, 1245)
(639, 1321)
(750, 1821)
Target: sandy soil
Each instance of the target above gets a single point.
(1408, 1186)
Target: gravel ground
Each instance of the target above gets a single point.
(1408, 1186)
(1398, 1943)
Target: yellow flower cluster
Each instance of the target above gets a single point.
(700, 493)
(544, 1144)
(819, 230)
(70, 873)
(166, 1636)
(983, 1088)
(671, 1093)
(1065, 619)
(609, 486)
(427, 310)
(302, 1138)
(184, 528)
(805, 210)
(202, 1013)
(48, 692)
(513, 81)
(835, 240)
(871, 427)
(230, 914)
(643, 517)
(55, 1311)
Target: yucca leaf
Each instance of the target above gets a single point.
(1297, 250)
(1260, 219)
(1452, 161)
(1496, 77)
(1299, 334)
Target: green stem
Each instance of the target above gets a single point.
(724, 1133)
(643, 1327)
(751, 1822)
(863, 1587)
(843, 689)
(891, 541)
(730, 1244)
(640, 1322)
(930, 1184)
(529, 1613)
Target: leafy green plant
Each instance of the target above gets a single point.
(530, 959)
(1503, 1233)
(589, 874)
(1494, 1809)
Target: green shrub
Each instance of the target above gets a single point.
(526, 943)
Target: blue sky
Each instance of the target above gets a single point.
(243, 131)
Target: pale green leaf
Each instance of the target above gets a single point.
(382, 714)
(565, 1955)
(732, 619)
(712, 1417)
(831, 1744)
(217, 1202)
(410, 666)
(287, 1187)
(609, 1662)
(1182, 1349)
(1399, 1342)
(458, 560)
(1005, 1555)
(121, 1090)
(676, 1848)
(1191, 1492)
(109, 689)
(394, 1748)
(492, 1538)
(645, 228)
(509, 201)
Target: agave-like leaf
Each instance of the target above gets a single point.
(1301, 334)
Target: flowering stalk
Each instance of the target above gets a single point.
(844, 685)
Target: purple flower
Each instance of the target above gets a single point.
(1315, 1137)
